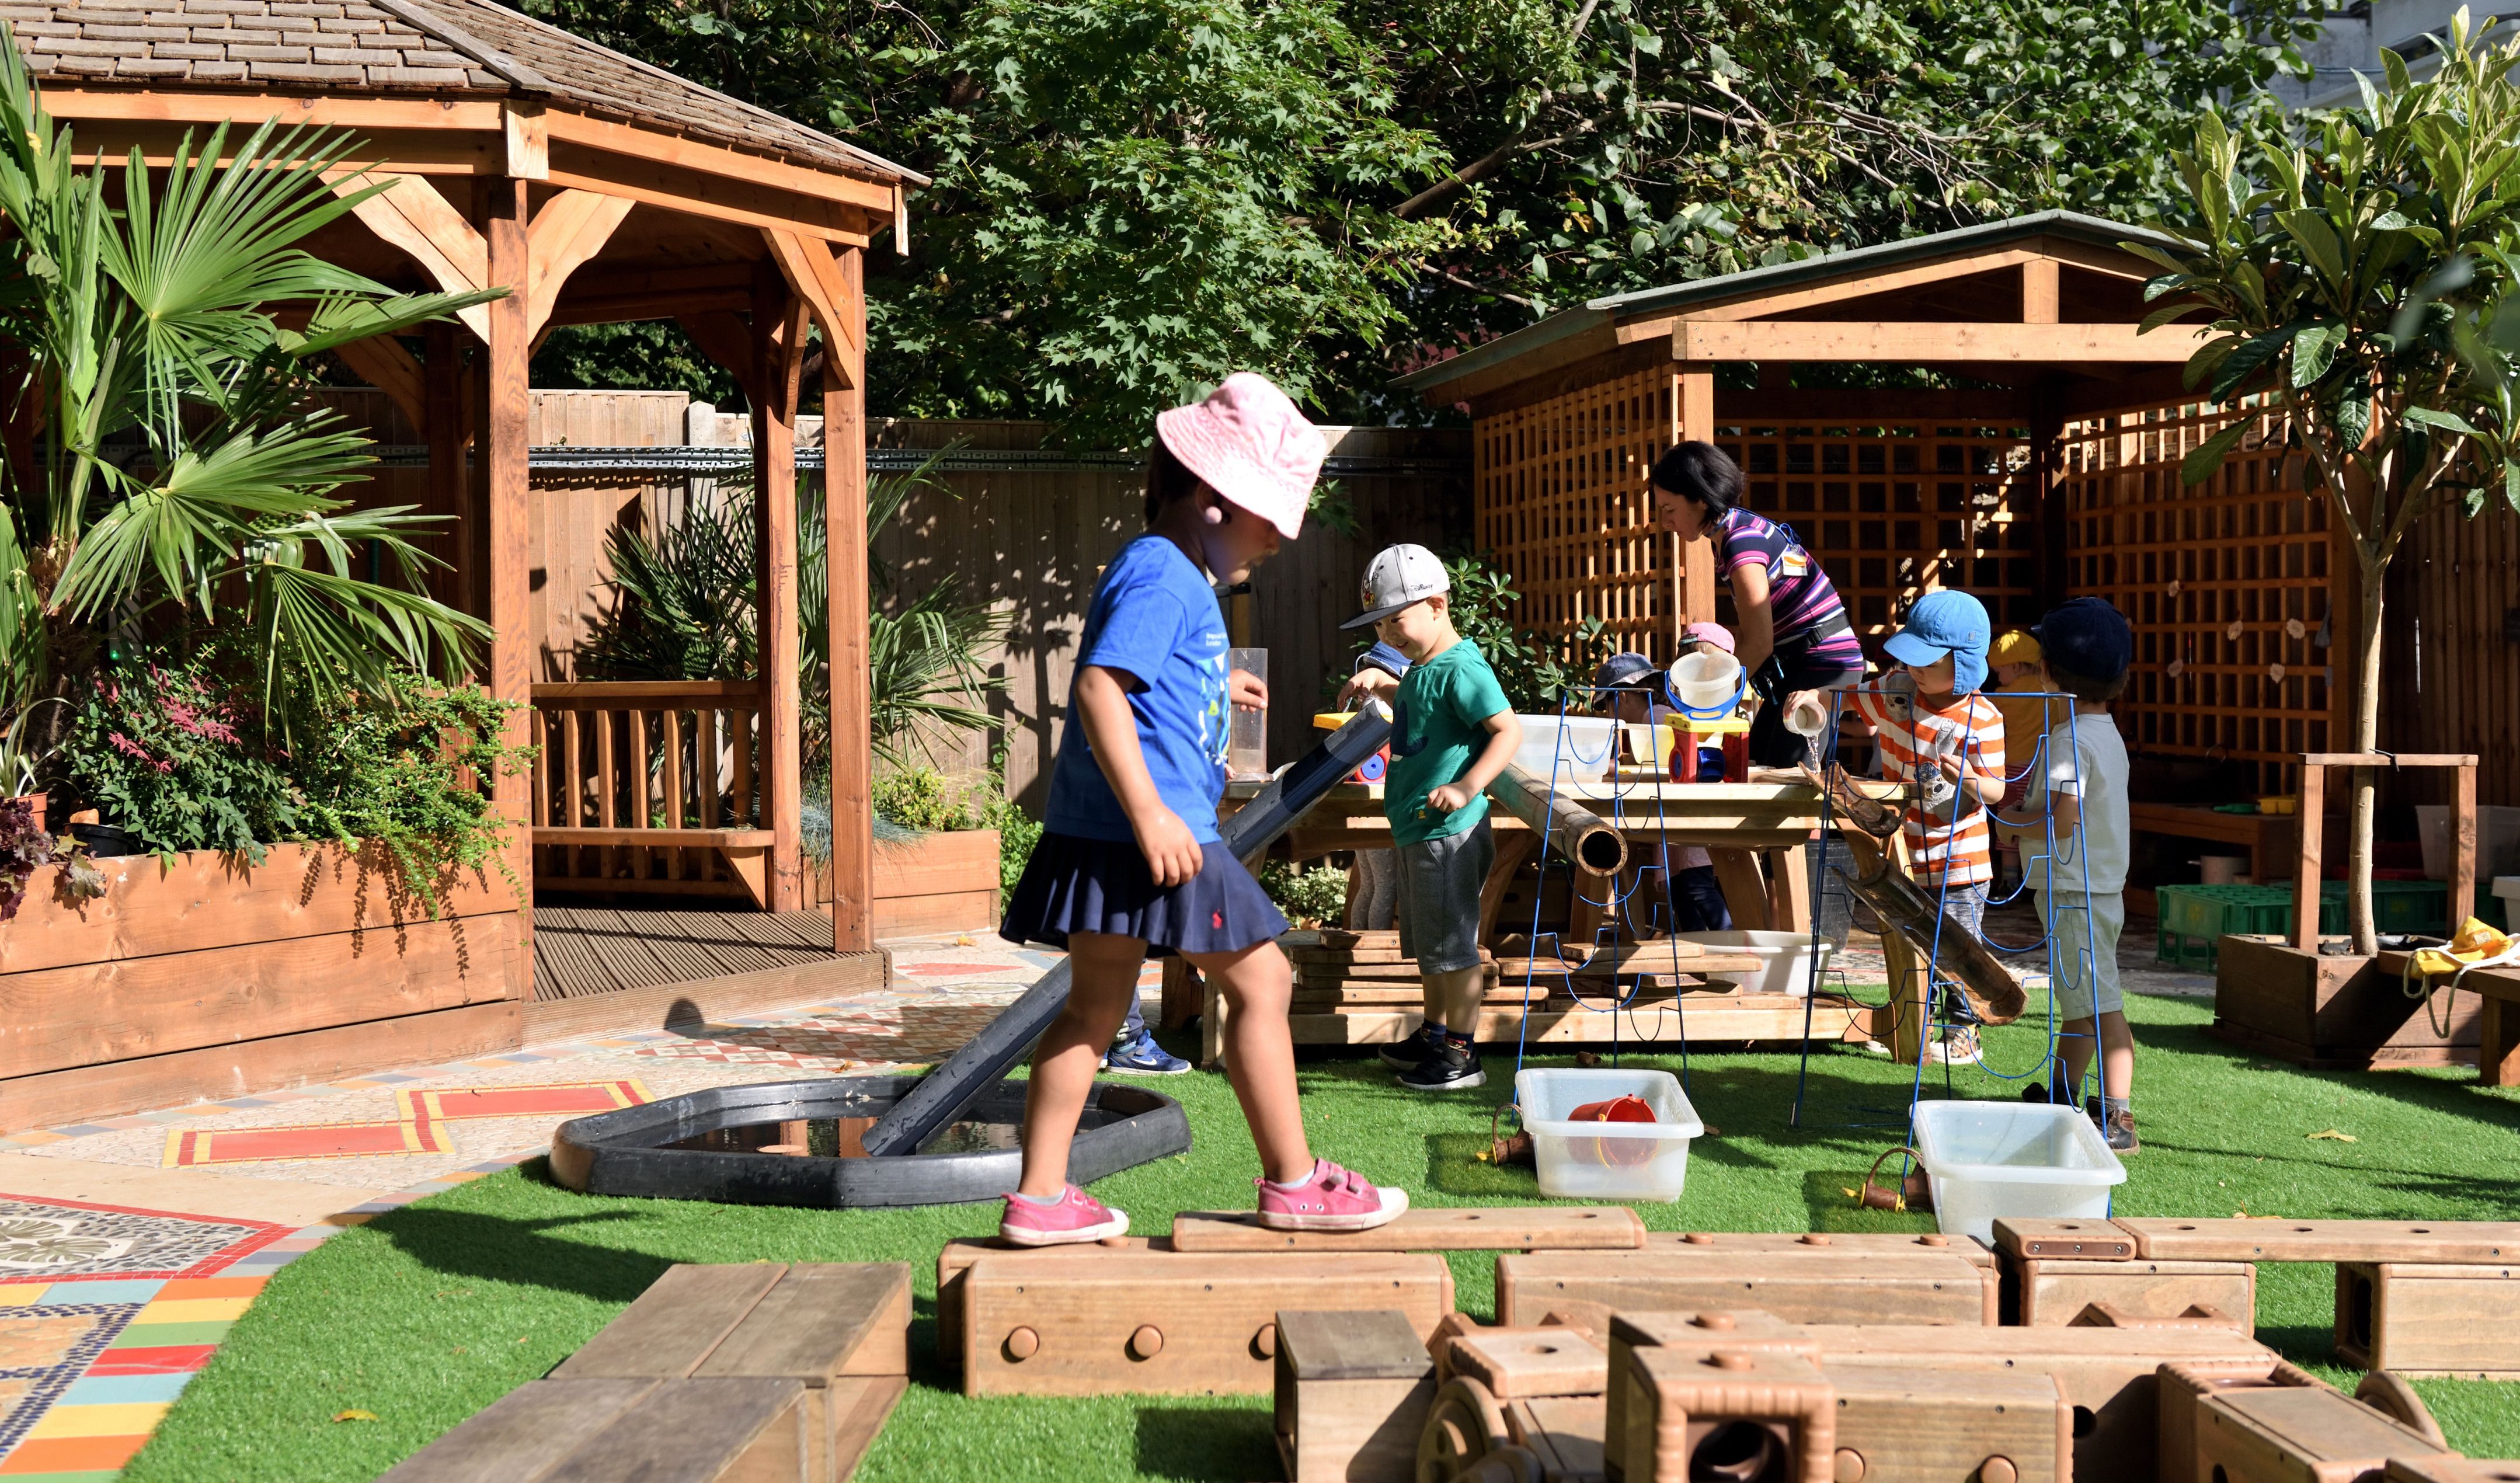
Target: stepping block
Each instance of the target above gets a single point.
(2081, 1240)
(1801, 1286)
(2109, 1373)
(1565, 1433)
(1168, 1323)
(1527, 1363)
(1542, 1227)
(604, 1430)
(1869, 1241)
(2428, 1320)
(2050, 1291)
(2278, 1428)
(2276, 1240)
(1900, 1425)
(1352, 1390)
(1732, 1413)
(2196, 1316)
(2447, 1470)
(956, 1257)
(1746, 1329)
(842, 1331)
(2183, 1389)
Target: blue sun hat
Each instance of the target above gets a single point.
(1945, 622)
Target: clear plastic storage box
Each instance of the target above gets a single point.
(1577, 749)
(1990, 1160)
(1594, 1160)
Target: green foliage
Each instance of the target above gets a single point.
(648, 354)
(409, 770)
(924, 800)
(686, 596)
(168, 747)
(1317, 896)
(1018, 833)
(1532, 673)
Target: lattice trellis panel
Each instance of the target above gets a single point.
(1562, 503)
(2226, 584)
(1897, 509)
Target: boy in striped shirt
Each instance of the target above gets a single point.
(1947, 741)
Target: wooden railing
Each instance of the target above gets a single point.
(650, 786)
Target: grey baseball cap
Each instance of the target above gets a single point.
(1398, 576)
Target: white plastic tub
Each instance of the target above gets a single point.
(1577, 747)
(1786, 958)
(2013, 1160)
(1590, 1160)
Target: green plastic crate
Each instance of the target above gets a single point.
(2194, 918)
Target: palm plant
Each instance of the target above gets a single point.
(168, 348)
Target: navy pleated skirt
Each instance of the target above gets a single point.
(1103, 886)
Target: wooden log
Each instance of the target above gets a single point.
(1812, 1285)
(2083, 1240)
(1734, 1413)
(1868, 1241)
(2279, 1240)
(1898, 1425)
(1564, 1433)
(1520, 1364)
(2282, 1430)
(2043, 1291)
(1542, 1227)
(1352, 1393)
(1575, 833)
(1164, 1323)
(603, 1432)
(2429, 1320)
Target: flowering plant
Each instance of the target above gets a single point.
(162, 748)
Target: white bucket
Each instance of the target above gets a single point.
(1591, 1160)
(2009, 1160)
(1786, 957)
(1706, 679)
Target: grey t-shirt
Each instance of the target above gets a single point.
(2086, 759)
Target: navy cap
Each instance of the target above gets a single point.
(1621, 671)
(1945, 622)
(2087, 637)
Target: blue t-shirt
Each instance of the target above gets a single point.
(1154, 615)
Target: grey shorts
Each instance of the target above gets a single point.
(1438, 907)
(2082, 930)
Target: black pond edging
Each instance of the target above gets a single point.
(624, 1153)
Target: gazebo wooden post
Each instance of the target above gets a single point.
(779, 347)
(442, 430)
(844, 500)
(503, 543)
(1692, 389)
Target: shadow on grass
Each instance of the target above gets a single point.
(2468, 1100)
(1190, 1441)
(496, 1248)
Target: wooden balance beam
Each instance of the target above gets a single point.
(1799, 1285)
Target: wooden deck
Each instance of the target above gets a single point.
(582, 951)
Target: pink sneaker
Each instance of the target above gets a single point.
(1331, 1199)
(1077, 1218)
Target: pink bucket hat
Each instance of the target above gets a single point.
(1248, 443)
(1710, 633)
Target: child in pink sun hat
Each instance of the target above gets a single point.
(1129, 862)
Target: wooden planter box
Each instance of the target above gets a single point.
(215, 978)
(2334, 1013)
(940, 882)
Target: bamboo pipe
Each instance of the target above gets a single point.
(1575, 833)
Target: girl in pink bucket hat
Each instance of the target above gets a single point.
(1127, 863)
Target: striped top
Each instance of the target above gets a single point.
(1800, 596)
(1911, 736)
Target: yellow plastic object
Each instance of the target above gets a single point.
(1331, 720)
(2287, 803)
(2475, 943)
(1700, 730)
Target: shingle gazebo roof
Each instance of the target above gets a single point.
(433, 48)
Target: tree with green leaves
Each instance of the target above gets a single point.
(2323, 261)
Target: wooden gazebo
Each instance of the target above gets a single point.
(595, 189)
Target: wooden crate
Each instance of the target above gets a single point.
(2047, 1291)
(2429, 1320)
(1565, 1434)
(1901, 1425)
(2331, 1014)
(1729, 1414)
(1352, 1393)
(1625, 1332)
(1525, 1364)
(601, 1431)
(1814, 1286)
(2280, 1430)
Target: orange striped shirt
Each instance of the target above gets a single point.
(1911, 736)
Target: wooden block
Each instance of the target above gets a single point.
(1900, 1425)
(524, 1433)
(2110, 1373)
(1746, 1329)
(2451, 1320)
(2086, 1240)
(2054, 1292)
(1521, 1363)
(2278, 1240)
(1541, 1228)
(1352, 1390)
(2449, 1469)
(856, 1407)
(1802, 1286)
(2181, 1389)
(1564, 1432)
(1439, 1344)
(2265, 1433)
(956, 1257)
(698, 1431)
(1733, 1413)
(1167, 1323)
(669, 1331)
(821, 1326)
(1969, 1246)
(2194, 1316)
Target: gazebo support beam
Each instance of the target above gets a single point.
(779, 351)
(845, 502)
(502, 544)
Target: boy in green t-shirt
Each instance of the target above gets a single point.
(1453, 733)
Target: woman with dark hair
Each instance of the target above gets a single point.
(1791, 631)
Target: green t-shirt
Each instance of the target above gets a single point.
(1442, 705)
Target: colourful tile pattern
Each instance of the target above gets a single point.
(195, 1147)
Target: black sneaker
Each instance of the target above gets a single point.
(2036, 1091)
(1404, 1055)
(1452, 1066)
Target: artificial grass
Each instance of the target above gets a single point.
(426, 1315)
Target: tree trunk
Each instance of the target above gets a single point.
(2366, 737)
